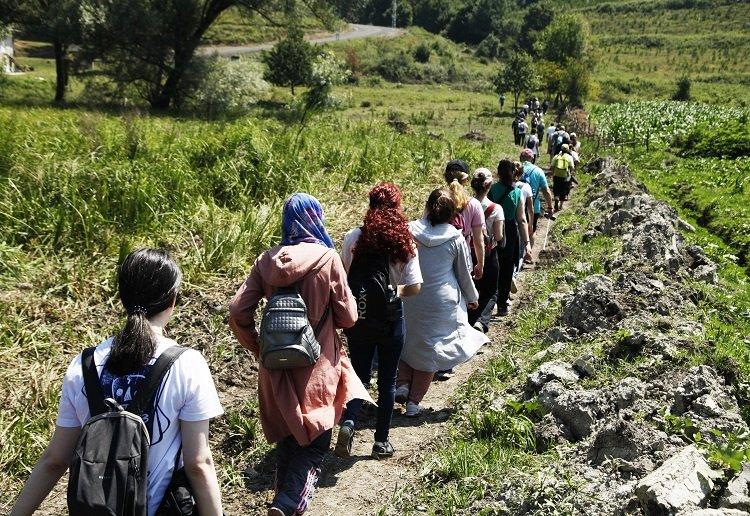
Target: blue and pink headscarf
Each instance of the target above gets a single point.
(302, 220)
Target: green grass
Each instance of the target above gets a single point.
(645, 47)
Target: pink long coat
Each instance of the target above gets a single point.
(303, 402)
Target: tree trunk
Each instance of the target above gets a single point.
(292, 89)
(515, 101)
(61, 69)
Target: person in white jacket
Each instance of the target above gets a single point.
(438, 334)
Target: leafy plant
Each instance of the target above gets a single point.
(290, 61)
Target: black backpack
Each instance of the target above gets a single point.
(110, 463)
(369, 281)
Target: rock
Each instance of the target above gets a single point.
(628, 391)
(578, 410)
(618, 439)
(584, 365)
(555, 370)
(737, 493)
(592, 305)
(683, 482)
(548, 433)
(714, 512)
(654, 243)
(706, 273)
(700, 381)
(552, 349)
(560, 334)
(685, 226)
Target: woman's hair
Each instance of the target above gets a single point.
(517, 169)
(481, 181)
(440, 207)
(385, 230)
(460, 197)
(505, 171)
(148, 281)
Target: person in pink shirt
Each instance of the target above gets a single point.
(469, 217)
(299, 407)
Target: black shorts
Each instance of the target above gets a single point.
(537, 216)
(560, 187)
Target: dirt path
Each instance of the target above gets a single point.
(361, 485)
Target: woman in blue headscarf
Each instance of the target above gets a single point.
(299, 407)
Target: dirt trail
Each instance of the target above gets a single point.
(361, 485)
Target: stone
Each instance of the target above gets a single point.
(684, 482)
(706, 273)
(714, 512)
(555, 370)
(548, 433)
(628, 391)
(585, 365)
(578, 410)
(618, 439)
(699, 381)
(552, 349)
(560, 334)
(737, 493)
(592, 305)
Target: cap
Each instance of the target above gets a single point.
(483, 173)
(457, 165)
(565, 147)
(527, 154)
(573, 135)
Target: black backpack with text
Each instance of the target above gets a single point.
(369, 281)
(108, 472)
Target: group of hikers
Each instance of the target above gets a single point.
(414, 299)
(563, 148)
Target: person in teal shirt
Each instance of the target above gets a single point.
(535, 177)
(509, 198)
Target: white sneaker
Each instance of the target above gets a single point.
(402, 394)
(413, 409)
(478, 326)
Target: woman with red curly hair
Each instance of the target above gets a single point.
(382, 264)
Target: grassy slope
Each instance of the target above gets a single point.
(644, 47)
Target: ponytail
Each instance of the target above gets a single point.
(440, 207)
(148, 281)
(133, 347)
(460, 197)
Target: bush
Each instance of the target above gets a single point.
(396, 67)
(327, 71)
(422, 53)
(491, 47)
(227, 87)
(731, 140)
(290, 61)
(683, 89)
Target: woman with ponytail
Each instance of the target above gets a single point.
(493, 213)
(380, 251)
(469, 218)
(177, 419)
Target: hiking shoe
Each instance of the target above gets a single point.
(513, 286)
(344, 440)
(413, 409)
(479, 327)
(275, 511)
(368, 410)
(502, 312)
(441, 376)
(382, 450)
(402, 394)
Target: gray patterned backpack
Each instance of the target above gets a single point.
(287, 340)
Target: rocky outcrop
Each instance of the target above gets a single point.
(683, 482)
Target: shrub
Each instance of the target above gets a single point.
(327, 71)
(422, 53)
(491, 47)
(683, 89)
(730, 141)
(396, 67)
(290, 61)
(227, 87)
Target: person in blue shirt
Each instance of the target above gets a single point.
(535, 177)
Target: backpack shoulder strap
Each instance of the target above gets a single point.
(94, 393)
(147, 389)
(490, 208)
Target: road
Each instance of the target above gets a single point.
(357, 32)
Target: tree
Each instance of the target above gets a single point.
(683, 89)
(52, 21)
(516, 76)
(150, 45)
(566, 37)
(538, 16)
(576, 81)
(290, 61)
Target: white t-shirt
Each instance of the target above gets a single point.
(497, 214)
(407, 273)
(187, 394)
(526, 192)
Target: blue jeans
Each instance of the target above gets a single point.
(388, 345)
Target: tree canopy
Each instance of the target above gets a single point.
(516, 76)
